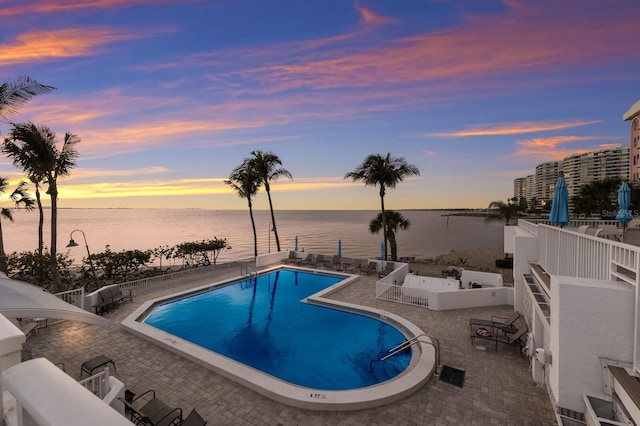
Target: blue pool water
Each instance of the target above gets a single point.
(264, 323)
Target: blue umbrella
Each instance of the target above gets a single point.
(560, 208)
(624, 201)
(382, 251)
(296, 247)
(339, 248)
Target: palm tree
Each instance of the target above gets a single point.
(15, 93)
(506, 211)
(395, 222)
(246, 183)
(34, 148)
(597, 197)
(20, 197)
(384, 172)
(268, 167)
(23, 157)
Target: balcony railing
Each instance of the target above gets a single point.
(565, 252)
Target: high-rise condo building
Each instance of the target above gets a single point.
(581, 169)
(633, 115)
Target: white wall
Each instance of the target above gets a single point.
(443, 300)
(485, 278)
(589, 319)
(526, 251)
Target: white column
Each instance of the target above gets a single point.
(11, 342)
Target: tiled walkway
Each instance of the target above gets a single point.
(498, 389)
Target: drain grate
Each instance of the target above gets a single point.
(452, 376)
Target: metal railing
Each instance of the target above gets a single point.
(146, 285)
(398, 293)
(402, 347)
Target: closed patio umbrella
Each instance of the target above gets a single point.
(624, 201)
(382, 251)
(339, 248)
(560, 208)
(296, 247)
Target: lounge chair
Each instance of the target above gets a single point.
(507, 325)
(318, 260)
(193, 419)
(631, 236)
(304, 260)
(517, 339)
(355, 266)
(387, 269)
(336, 263)
(292, 258)
(369, 268)
(153, 412)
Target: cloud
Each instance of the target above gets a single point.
(483, 46)
(370, 17)
(38, 46)
(514, 128)
(57, 6)
(555, 148)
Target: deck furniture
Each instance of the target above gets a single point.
(148, 410)
(95, 363)
(518, 339)
(111, 296)
(193, 419)
(336, 263)
(387, 269)
(505, 324)
(304, 260)
(291, 258)
(369, 268)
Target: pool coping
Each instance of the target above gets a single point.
(419, 371)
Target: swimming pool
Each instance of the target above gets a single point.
(264, 322)
(278, 335)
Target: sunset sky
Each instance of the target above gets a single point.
(168, 96)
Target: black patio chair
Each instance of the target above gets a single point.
(148, 410)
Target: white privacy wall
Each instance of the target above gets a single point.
(589, 319)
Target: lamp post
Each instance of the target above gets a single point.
(270, 237)
(74, 244)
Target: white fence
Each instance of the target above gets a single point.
(98, 384)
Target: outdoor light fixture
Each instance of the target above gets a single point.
(72, 243)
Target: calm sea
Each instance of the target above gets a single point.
(318, 231)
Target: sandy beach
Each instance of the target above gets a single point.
(481, 259)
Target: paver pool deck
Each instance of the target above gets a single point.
(498, 387)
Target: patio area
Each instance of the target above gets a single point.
(498, 387)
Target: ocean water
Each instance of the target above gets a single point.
(318, 231)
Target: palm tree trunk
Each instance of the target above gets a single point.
(253, 225)
(3, 256)
(394, 245)
(53, 193)
(273, 218)
(40, 221)
(384, 221)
